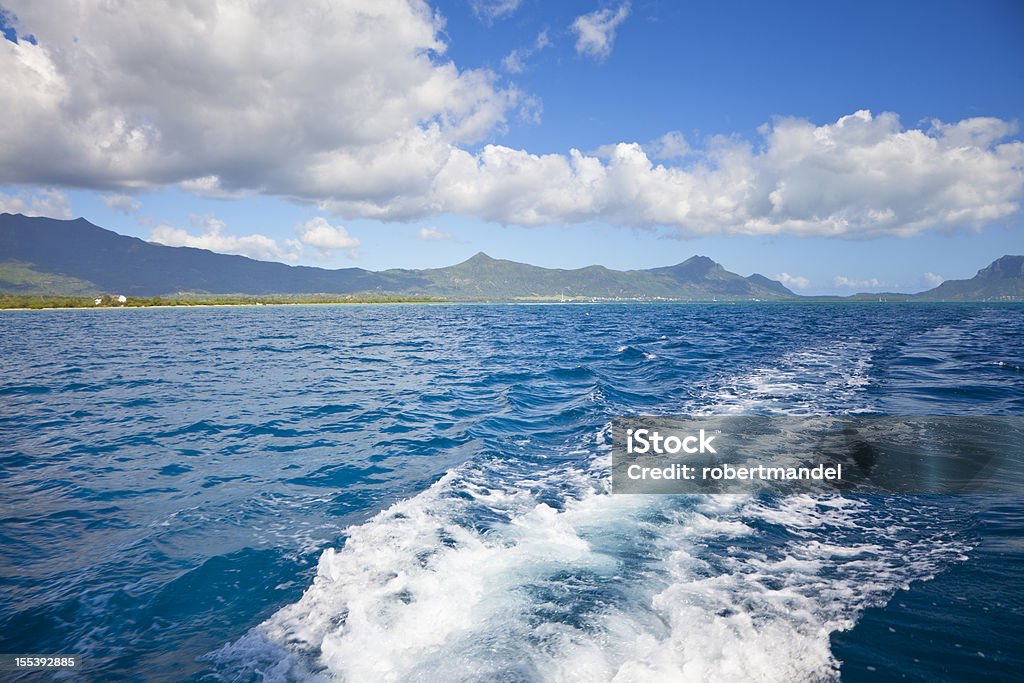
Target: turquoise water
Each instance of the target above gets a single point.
(420, 493)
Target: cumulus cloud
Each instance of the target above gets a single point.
(793, 281)
(515, 61)
(862, 176)
(353, 108)
(930, 280)
(432, 234)
(46, 202)
(671, 145)
(112, 97)
(851, 283)
(121, 202)
(214, 238)
(595, 32)
(317, 232)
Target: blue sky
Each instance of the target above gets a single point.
(393, 134)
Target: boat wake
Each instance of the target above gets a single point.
(524, 570)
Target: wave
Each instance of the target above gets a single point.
(520, 569)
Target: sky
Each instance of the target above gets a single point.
(836, 146)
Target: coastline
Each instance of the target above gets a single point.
(223, 304)
(504, 302)
(521, 301)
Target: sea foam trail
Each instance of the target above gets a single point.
(505, 572)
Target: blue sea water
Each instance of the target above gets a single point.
(420, 493)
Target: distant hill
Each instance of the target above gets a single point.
(1002, 280)
(697, 278)
(55, 257)
(44, 256)
(101, 261)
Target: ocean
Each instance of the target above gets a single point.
(421, 493)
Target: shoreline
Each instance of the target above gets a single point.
(532, 302)
(277, 305)
(219, 305)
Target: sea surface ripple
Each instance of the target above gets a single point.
(420, 493)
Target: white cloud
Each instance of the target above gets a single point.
(930, 280)
(353, 108)
(850, 283)
(514, 62)
(595, 32)
(432, 234)
(794, 281)
(317, 232)
(214, 238)
(862, 176)
(121, 202)
(981, 131)
(209, 186)
(671, 145)
(530, 109)
(490, 10)
(44, 202)
(194, 93)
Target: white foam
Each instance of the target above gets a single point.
(414, 582)
(804, 382)
(478, 579)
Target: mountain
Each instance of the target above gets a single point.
(101, 261)
(44, 256)
(1001, 280)
(483, 277)
(55, 257)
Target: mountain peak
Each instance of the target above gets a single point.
(478, 260)
(698, 264)
(693, 267)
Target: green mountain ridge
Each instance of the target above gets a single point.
(92, 260)
(49, 257)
